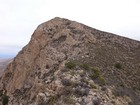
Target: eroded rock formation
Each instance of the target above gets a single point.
(66, 62)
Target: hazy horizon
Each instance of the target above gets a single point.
(7, 56)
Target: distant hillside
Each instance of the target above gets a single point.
(3, 64)
(68, 63)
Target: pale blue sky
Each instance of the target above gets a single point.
(19, 18)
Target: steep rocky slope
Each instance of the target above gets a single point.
(69, 63)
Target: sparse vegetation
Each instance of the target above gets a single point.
(118, 66)
(67, 91)
(93, 86)
(68, 100)
(1, 93)
(42, 103)
(85, 66)
(74, 31)
(103, 88)
(101, 80)
(72, 73)
(52, 100)
(120, 91)
(85, 80)
(81, 92)
(67, 63)
(70, 65)
(96, 101)
(95, 73)
(66, 82)
(4, 98)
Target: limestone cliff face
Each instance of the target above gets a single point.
(67, 62)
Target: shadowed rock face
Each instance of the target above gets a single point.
(67, 62)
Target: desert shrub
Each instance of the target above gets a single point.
(42, 103)
(96, 101)
(95, 73)
(84, 85)
(81, 92)
(18, 92)
(93, 86)
(84, 80)
(72, 73)
(5, 100)
(103, 88)
(64, 70)
(130, 103)
(68, 100)
(101, 80)
(1, 93)
(66, 82)
(113, 102)
(47, 66)
(67, 91)
(118, 66)
(74, 31)
(120, 91)
(95, 70)
(70, 65)
(52, 100)
(82, 74)
(77, 92)
(122, 84)
(85, 66)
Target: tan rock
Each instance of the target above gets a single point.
(35, 76)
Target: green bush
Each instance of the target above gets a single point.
(95, 70)
(93, 86)
(101, 80)
(95, 73)
(70, 65)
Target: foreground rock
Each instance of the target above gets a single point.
(69, 63)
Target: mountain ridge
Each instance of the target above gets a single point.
(67, 62)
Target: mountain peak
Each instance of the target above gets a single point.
(67, 62)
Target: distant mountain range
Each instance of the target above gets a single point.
(7, 56)
(3, 64)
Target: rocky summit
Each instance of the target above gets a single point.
(69, 63)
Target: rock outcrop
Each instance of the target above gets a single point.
(66, 62)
